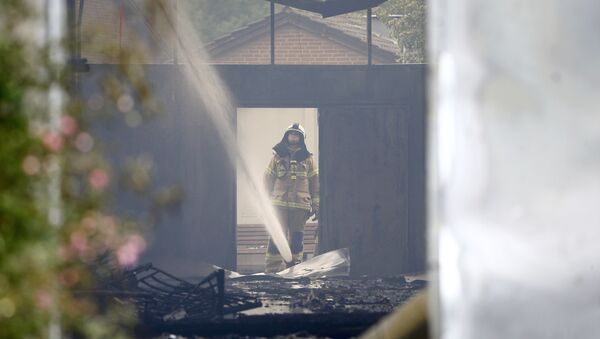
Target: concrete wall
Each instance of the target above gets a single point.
(369, 198)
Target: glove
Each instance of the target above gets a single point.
(315, 212)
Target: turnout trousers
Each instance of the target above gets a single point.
(292, 220)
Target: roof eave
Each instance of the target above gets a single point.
(329, 8)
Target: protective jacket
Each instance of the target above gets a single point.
(292, 178)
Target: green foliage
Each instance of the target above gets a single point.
(41, 263)
(23, 231)
(408, 20)
(215, 18)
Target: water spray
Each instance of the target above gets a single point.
(214, 96)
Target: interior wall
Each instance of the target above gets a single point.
(258, 130)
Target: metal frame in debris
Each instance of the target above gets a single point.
(160, 297)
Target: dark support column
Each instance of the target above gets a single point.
(272, 32)
(175, 28)
(79, 21)
(369, 33)
(71, 29)
(71, 35)
(74, 21)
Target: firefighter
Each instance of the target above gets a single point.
(292, 180)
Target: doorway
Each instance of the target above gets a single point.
(258, 130)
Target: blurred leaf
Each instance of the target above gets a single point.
(168, 196)
(138, 173)
(407, 20)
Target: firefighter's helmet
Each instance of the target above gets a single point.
(296, 127)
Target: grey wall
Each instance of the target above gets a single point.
(368, 189)
(186, 152)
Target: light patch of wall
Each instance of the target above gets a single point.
(258, 130)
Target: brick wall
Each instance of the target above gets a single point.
(293, 45)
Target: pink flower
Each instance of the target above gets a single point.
(90, 224)
(98, 179)
(31, 165)
(69, 277)
(68, 125)
(64, 253)
(79, 242)
(53, 141)
(128, 254)
(109, 233)
(84, 142)
(43, 299)
(107, 222)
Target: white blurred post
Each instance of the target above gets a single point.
(515, 168)
(50, 29)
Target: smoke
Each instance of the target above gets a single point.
(214, 97)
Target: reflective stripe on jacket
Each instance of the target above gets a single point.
(293, 184)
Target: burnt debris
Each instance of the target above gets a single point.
(258, 305)
(161, 298)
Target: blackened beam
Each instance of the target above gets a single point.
(272, 32)
(370, 34)
(74, 21)
(330, 8)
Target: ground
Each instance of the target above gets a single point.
(307, 308)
